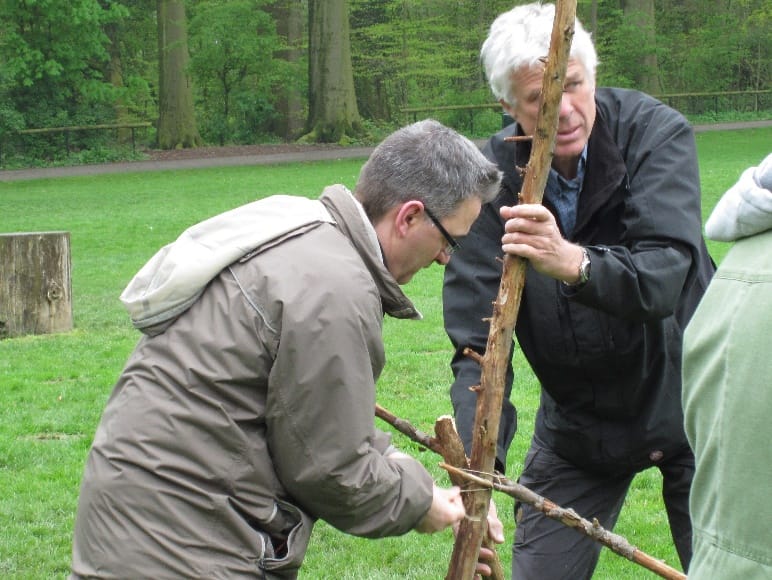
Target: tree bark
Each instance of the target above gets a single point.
(177, 127)
(35, 283)
(333, 113)
(505, 307)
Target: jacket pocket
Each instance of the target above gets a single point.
(282, 559)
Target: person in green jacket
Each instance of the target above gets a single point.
(726, 390)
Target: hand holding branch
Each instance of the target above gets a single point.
(531, 232)
(447, 509)
(447, 445)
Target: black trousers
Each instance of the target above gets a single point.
(545, 549)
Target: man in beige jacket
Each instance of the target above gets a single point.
(245, 412)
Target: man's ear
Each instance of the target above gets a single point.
(408, 215)
(507, 108)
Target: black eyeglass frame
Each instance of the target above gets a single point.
(453, 245)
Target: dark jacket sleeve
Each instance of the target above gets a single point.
(472, 280)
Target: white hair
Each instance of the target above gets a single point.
(520, 38)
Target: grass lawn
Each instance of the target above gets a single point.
(53, 388)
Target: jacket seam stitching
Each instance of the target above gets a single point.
(251, 302)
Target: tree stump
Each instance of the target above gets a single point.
(35, 283)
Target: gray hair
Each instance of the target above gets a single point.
(520, 38)
(429, 162)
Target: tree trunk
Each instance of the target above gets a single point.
(114, 74)
(176, 117)
(333, 113)
(640, 14)
(35, 283)
(289, 26)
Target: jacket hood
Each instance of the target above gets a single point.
(746, 208)
(351, 219)
(175, 276)
(173, 279)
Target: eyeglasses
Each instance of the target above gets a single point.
(453, 245)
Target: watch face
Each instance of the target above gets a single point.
(584, 269)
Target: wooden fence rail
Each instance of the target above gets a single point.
(687, 103)
(66, 131)
(109, 126)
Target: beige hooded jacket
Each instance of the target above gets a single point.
(250, 415)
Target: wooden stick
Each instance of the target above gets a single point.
(567, 516)
(407, 428)
(455, 455)
(447, 445)
(505, 308)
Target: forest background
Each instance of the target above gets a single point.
(265, 71)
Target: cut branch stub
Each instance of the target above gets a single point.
(454, 454)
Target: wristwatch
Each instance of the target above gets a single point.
(584, 269)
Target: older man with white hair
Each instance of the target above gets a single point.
(616, 267)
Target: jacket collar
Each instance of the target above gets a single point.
(353, 223)
(605, 173)
(605, 169)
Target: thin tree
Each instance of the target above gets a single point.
(639, 14)
(114, 74)
(333, 116)
(176, 118)
(289, 16)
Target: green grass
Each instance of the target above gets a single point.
(53, 388)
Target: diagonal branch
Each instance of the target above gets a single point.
(568, 517)
(448, 445)
(407, 428)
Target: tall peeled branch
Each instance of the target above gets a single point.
(505, 308)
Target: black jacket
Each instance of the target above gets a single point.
(608, 356)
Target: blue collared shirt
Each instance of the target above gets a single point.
(564, 194)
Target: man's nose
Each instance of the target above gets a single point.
(566, 106)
